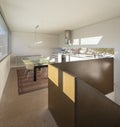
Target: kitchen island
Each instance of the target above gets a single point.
(76, 93)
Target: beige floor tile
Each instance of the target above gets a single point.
(27, 110)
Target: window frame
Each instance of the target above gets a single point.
(5, 27)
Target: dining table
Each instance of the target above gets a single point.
(39, 66)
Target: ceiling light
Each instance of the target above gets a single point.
(37, 42)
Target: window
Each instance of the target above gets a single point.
(91, 40)
(3, 39)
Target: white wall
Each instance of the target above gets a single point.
(62, 40)
(110, 31)
(23, 43)
(4, 71)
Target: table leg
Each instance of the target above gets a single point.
(35, 74)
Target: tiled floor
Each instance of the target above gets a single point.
(27, 110)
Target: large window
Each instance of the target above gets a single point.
(3, 39)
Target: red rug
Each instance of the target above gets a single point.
(27, 84)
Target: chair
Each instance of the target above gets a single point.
(44, 60)
(29, 67)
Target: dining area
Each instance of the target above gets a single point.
(33, 74)
(34, 64)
